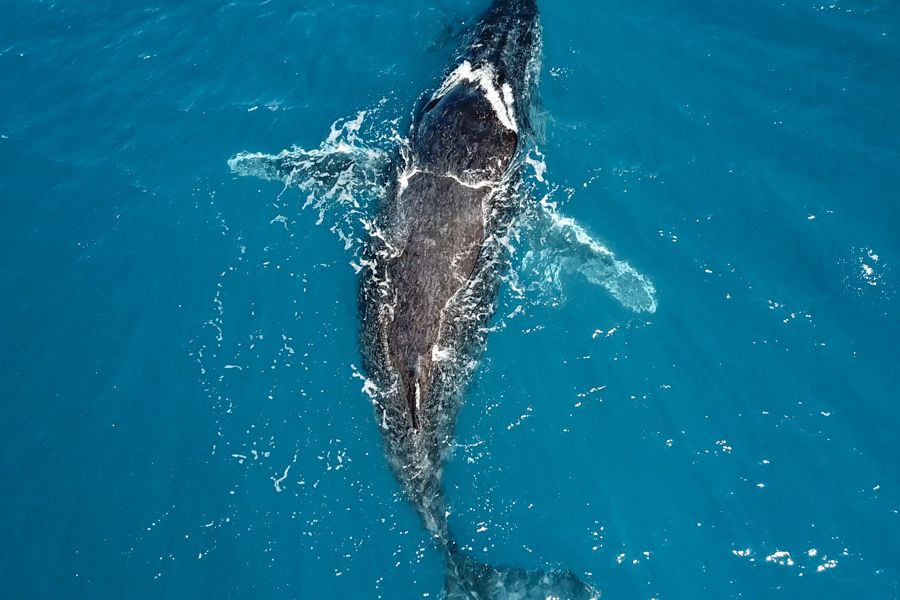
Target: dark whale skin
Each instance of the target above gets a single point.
(432, 265)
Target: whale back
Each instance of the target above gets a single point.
(460, 135)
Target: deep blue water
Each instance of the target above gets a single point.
(159, 322)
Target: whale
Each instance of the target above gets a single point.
(431, 275)
(434, 255)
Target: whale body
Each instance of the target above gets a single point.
(435, 254)
(431, 272)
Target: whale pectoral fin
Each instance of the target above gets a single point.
(326, 172)
(344, 172)
(294, 166)
(559, 244)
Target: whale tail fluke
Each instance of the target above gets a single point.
(468, 579)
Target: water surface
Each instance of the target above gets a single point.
(182, 415)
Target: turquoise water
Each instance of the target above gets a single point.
(182, 414)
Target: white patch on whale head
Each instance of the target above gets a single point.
(485, 76)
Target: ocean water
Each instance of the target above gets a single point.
(182, 412)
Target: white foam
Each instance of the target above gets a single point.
(405, 176)
(475, 185)
(348, 129)
(538, 164)
(781, 557)
(279, 480)
(369, 387)
(439, 354)
(828, 564)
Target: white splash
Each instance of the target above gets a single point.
(537, 163)
(781, 557)
(279, 480)
(439, 353)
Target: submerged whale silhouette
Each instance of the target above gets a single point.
(434, 258)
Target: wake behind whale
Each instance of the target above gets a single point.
(433, 262)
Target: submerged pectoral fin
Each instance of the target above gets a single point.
(292, 166)
(559, 244)
(320, 169)
(345, 172)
